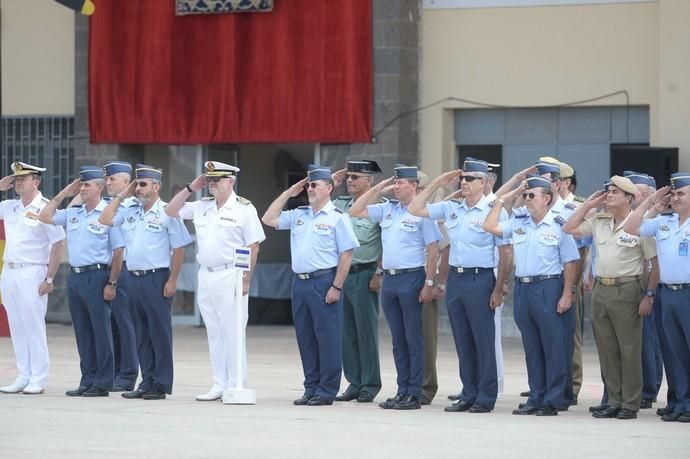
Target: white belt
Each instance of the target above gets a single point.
(213, 269)
(23, 265)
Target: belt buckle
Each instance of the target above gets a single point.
(77, 270)
(675, 287)
(525, 280)
(392, 272)
(459, 270)
(303, 276)
(607, 281)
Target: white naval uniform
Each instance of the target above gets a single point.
(27, 250)
(497, 319)
(218, 233)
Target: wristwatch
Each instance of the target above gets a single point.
(49, 280)
(650, 293)
(379, 271)
(113, 284)
(441, 287)
(429, 282)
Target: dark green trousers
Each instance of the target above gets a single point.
(360, 334)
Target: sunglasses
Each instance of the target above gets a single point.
(531, 195)
(214, 179)
(142, 184)
(311, 185)
(469, 178)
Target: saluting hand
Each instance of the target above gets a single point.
(338, 177)
(71, 189)
(297, 188)
(448, 177)
(660, 199)
(198, 183)
(6, 183)
(596, 199)
(129, 191)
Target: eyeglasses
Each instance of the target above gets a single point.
(353, 176)
(469, 178)
(531, 195)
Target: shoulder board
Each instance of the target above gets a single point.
(303, 207)
(667, 213)
(244, 201)
(340, 211)
(570, 205)
(579, 199)
(44, 199)
(604, 215)
(383, 200)
(343, 198)
(560, 220)
(457, 201)
(107, 198)
(393, 201)
(521, 216)
(208, 198)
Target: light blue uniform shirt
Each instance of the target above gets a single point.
(540, 249)
(150, 236)
(560, 207)
(470, 245)
(403, 235)
(124, 204)
(88, 242)
(317, 240)
(670, 234)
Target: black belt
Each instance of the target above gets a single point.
(676, 287)
(143, 272)
(395, 272)
(87, 268)
(320, 272)
(357, 267)
(461, 270)
(531, 279)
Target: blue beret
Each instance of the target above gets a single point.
(475, 165)
(680, 179)
(145, 171)
(116, 167)
(316, 172)
(90, 173)
(406, 172)
(547, 168)
(537, 181)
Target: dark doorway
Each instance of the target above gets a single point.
(659, 162)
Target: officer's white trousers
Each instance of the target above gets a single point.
(499, 348)
(217, 305)
(26, 314)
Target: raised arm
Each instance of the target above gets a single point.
(596, 199)
(372, 196)
(515, 181)
(48, 212)
(110, 210)
(177, 202)
(634, 221)
(418, 205)
(272, 214)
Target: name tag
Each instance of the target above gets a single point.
(31, 219)
(683, 249)
(96, 228)
(153, 227)
(323, 229)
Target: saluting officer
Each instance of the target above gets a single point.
(321, 243)
(31, 259)
(544, 270)
(409, 264)
(617, 302)
(224, 221)
(92, 282)
(118, 175)
(151, 236)
(672, 232)
(360, 299)
(472, 291)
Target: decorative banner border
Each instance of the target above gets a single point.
(184, 7)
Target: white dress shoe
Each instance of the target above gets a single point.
(33, 389)
(215, 393)
(14, 388)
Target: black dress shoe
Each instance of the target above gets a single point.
(317, 400)
(365, 397)
(685, 417)
(454, 397)
(573, 402)
(671, 417)
(547, 410)
(133, 394)
(346, 397)
(303, 399)
(95, 392)
(525, 393)
(645, 403)
(459, 406)
(76, 392)
(664, 411)
(424, 400)
(524, 410)
(389, 404)
(410, 402)
(118, 388)
(626, 413)
(154, 394)
(601, 407)
(608, 412)
(478, 408)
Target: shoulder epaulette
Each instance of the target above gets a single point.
(393, 201)
(667, 213)
(457, 201)
(44, 199)
(208, 198)
(303, 207)
(604, 215)
(107, 198)
(570, 206)
(383, 200)
(343, 198)
(521, 216)
(244, 201)
(578, 199)
(560, 220)
(340, 211)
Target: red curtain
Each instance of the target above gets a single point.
(302, 73)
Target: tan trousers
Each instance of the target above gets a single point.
(618, 333)
(577, 354)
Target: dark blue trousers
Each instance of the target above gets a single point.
(472, 321)
(319, 331)
(669, 358)
(124, 338)
(652, 365)
(92, 327)
(676, 319)
(400, 303)
(153, 328)
(569, 320)
(542, 331)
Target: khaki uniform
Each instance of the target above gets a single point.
(615, 304)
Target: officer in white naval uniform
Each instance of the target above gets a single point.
(223, 222)
(31, 259)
